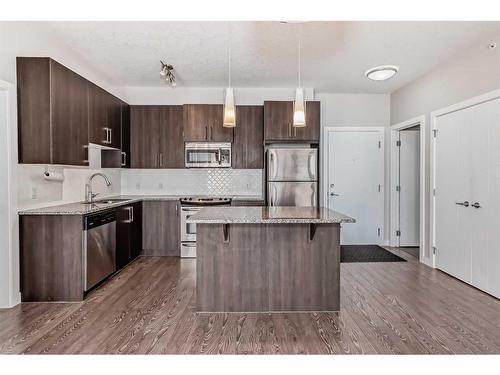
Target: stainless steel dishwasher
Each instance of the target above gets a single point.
(99, 247)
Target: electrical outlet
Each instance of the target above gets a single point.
(34, 192)
(138, 185)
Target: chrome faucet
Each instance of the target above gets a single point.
(89, 196)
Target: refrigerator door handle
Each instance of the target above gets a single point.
(310, 165)
(273, 164)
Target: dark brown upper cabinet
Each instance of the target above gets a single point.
(248, 144)
(203, 123)
(156, 137)
(52, 113)
(104, 117)
(278, 118)
(171, 139)
(278, 121)
(125, 135)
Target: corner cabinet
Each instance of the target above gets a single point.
(52, 113)
(104, 117)
(203, 123)
(248, 144)
(156, 137)
(278, 121)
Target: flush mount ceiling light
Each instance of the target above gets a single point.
(229, 109)
(167, 74)
(299, 108)
(381, 73)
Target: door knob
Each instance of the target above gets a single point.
(476, 205)
(334, 194)
(465, 203)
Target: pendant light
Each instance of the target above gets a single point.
(299, 108)
(229, 108)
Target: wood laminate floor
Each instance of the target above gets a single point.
(401, 308)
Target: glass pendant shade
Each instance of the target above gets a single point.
(299, 109)
(229, 109)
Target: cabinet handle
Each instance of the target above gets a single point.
(294, 132)
(124, 159)
(206, 132)
(161, 159)
(289, 130)
(211, 133)
(131, 214)
(106, 136)
(176, 210)
(86, 152)
(110, 134)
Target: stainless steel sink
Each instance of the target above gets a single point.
(108, 201)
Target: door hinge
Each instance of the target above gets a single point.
(398, 188)
(398, 143)
(435, 132)
(378, 232)
(379, 187)
(434, 249)
(379, 144)
(434, 192)
(398, 233)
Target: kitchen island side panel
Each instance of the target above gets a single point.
(51, 258)
(268, 267)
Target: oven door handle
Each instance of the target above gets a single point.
(189, 209)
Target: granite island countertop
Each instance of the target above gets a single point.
(80, 208)
(268, 215)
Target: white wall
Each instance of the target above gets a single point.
(472, 73)
(37, 39)
(354, 109)
(202, 95)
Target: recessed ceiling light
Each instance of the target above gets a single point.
(381, 73)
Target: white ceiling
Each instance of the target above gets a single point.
(335, 55)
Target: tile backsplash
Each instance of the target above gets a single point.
(35, 191)
(192, 181)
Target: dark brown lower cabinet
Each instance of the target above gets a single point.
(128, 233)
(160, 228)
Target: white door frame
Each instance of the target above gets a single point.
(10, 255)
(394, 162)
(324, 165)
(492, 95)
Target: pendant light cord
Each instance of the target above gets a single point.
(229, 50)
(300, 41)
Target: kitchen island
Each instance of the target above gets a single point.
(252, 259)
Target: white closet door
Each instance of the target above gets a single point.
(452, 229)
(480, 144)
(488, 195)
(409, 182)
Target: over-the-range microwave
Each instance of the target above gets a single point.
(207, 155)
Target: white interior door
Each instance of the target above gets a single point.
(355, 174)
(409, 188)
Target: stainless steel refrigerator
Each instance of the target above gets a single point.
(292, 177)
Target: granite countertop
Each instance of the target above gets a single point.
(268, 215)
(80, 208)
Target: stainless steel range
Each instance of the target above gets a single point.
(190, 206)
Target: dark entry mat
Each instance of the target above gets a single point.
(366, 253)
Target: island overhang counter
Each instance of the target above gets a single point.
(265, 259)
